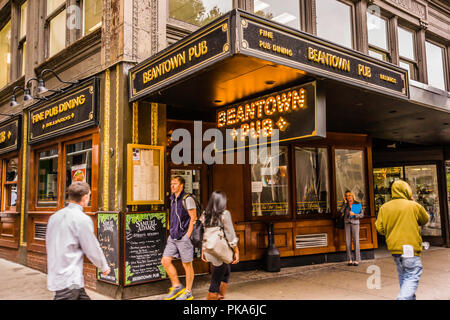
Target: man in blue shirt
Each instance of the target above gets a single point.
(179, 245)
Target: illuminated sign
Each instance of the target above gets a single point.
(179, 60)
(67, 112)
(10, 132)
(296, 112)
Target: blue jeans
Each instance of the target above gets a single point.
(409, 271)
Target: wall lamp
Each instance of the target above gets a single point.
(41, 85)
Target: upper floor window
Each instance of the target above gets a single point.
(330, 27)
(198, 12)
(5, 53)
(378, 37)
(407, 52)
(22, 37)
(56, 26)
(435, 65)
(92, 15)
(285, 12)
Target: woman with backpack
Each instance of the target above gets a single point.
(219, 244)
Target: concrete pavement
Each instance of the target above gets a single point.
(335, 281)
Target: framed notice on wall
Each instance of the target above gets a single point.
(145, 174)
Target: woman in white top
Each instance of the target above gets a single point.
(216, 215)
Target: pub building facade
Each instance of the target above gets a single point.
(360, 100)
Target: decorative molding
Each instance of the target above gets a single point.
(116, 150)
(154, 27)
(135, 24)
(106, 141)
(24, 180)
(154, 125)
(414, 7)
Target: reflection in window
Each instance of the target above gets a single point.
(378, 54)
(424, 185)
(191, 178)
(52, 5)
(78, 163)
(330, 28)
(285, 12)
(383, 178)
(350, 175)
(10, 186)
(5, 53)
(47, 178)
(198, 12)
(92, 15)
(269, 182)
(313, 192)
(377, 31)
(435, 65)
(406, 44)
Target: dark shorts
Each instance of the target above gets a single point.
(177, 249)
(71, 294)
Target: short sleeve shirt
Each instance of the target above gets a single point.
(190, 203)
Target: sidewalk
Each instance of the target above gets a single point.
(335, 281)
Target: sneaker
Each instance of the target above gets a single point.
(174, 292)
(186, 295)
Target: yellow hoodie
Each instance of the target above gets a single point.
(400, 218)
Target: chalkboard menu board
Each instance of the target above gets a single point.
(108, 237)
(145, 239)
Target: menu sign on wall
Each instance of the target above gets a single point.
(145, 239)
(10, 135)
(302, 51)
(108, 238)
(66, 112)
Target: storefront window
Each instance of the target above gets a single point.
(285, 12)
(191, 179)
(330, 28)
(47, 178)
(5, 53)
(78, 163)
(383, 179)
(269, 182)
(424, 185)
(10, 184)
(313, 192)
(350, 175)
(435, 65)
(198, 12)
(92, 15)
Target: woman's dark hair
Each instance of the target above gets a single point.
(216, 205)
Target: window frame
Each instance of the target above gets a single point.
(445, 66)
(61, 143)
(372, 47)
(4, 158)
(414, 63)
(2, 26)
(21, 40)
(47, 20)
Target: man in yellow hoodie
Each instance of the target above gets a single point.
(400, 220)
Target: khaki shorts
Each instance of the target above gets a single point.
(177, 249)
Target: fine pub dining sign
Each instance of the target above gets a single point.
(67, 112)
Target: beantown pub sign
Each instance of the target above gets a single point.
(10, 134)
(67, 112)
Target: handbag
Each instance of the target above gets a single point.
(339, 222)
(197, 234)
(216, 244)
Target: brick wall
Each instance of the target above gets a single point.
(9, 254)
(90, 276)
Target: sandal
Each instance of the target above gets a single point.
(350, 263)
(355, 263)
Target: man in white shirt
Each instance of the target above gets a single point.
(70, 235)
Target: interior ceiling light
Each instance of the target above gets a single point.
(284, 18)
(260, 5)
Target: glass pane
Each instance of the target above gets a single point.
(435, 65)
(47, 192)
(23, 20)
(410, 67)
(286, 12)
(92, 15)
(11, 170)
(313, 192)
(269, 182)
(10, 191)
(24, 54)
(191, 180)
(350, 175)
(78, 163)
(330, 28)
(382, 180)
(377, 29)
(5, 53)
(53, 4)
(406, 43)
(424, 185)
(377, 54)
(198, 12)
(57, 33)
